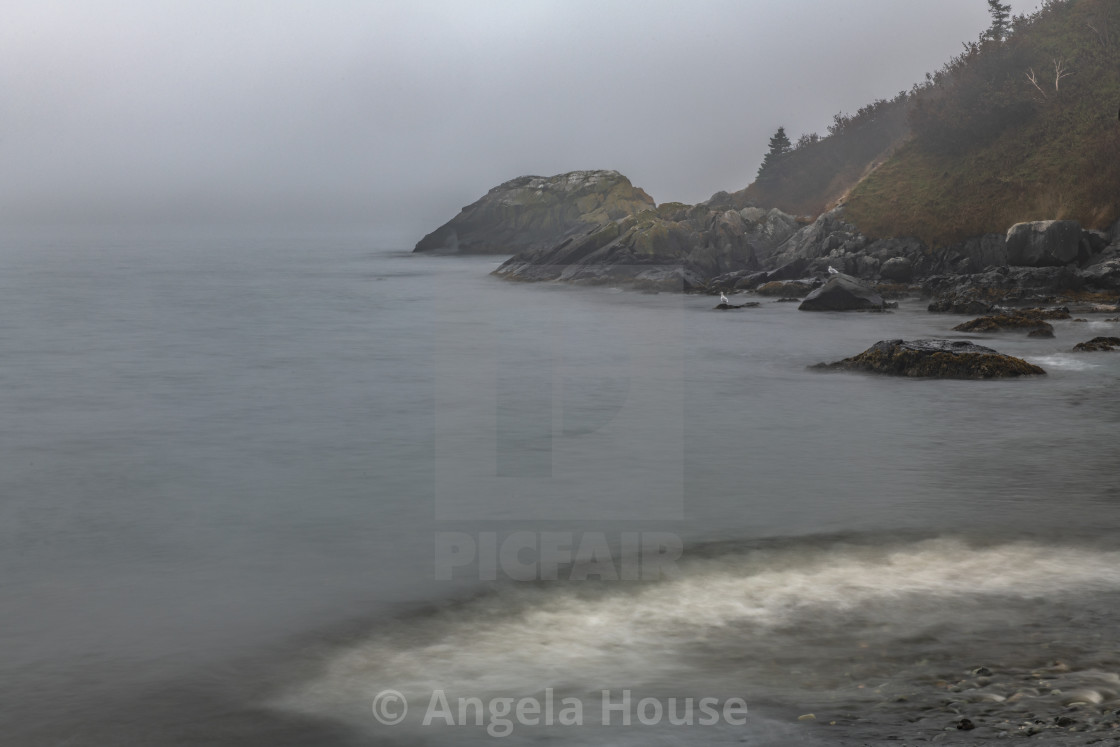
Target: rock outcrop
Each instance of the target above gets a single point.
(843, 293)
(942, 359)
(534, 212)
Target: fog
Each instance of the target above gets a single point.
(390, 116)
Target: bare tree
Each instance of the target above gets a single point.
(1060, 72)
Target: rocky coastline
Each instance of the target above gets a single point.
(595, 227)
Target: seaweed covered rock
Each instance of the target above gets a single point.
(1098, 344)
(536, 212)
(1029, 319)
(843, 293)
(942, 359)
(787, 288)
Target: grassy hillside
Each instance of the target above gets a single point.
(989, 147)
(816, 172)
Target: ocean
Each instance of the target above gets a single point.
(251, 484)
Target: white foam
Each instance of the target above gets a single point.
(1066, 362)
(520, 640)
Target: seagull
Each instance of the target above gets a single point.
(832, 270)
(723, 298)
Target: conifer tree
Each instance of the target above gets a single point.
(779, 146)
(1001, 13)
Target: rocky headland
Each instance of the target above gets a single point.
(534, 212)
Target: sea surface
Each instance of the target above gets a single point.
(247, 484)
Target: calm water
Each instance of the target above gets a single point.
(228, 464)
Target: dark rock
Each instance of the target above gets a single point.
(1047, 331)
(980, 253)
(897, 269)
(1105, 275)
(1043, 243)
(1098, 344)
(1008, 285)
(965, 725)
(794, 300)
(946, 359)
(791, 270)
(726, 282)
(842, 293)
(751, 280)
(960, 305)
(1098, 241)
(534, 212)
(729, 306)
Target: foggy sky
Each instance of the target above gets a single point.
(393, 115)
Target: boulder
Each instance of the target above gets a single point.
(943, 359)
(535, 212)
(898, 270)
(1046, 243)
(843, 293)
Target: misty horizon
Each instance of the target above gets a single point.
(395, 116)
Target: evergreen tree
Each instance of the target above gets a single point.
(779, 146)
(1001, 15)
